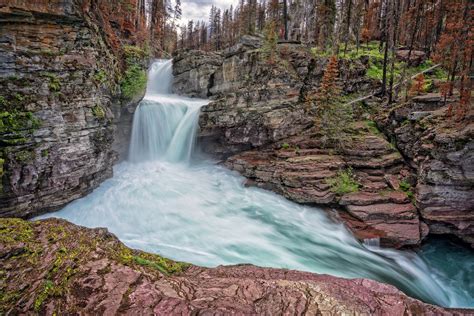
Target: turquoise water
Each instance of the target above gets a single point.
(193, 210)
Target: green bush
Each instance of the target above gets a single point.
(372, 127)
(133, 82)
(3, 101)
(344, 182)
(406, 187)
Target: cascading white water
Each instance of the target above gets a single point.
(201, 213)
(164, 125)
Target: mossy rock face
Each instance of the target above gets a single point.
(134, 78)
(57, 255)
(53, 267)
(133, 82)
(16, 126)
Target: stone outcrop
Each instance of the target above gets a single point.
(59, 105)
(193, 77)
(256, 100)
(54, 267)
(441, 151)
(302, 171)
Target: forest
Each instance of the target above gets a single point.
(442, 29)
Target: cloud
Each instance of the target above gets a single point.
(199, 9)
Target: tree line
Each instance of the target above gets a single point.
(442, 29)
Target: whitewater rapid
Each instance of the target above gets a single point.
(164, 201)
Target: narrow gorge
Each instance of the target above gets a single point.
(202, 183)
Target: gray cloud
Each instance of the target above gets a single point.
(199, 9)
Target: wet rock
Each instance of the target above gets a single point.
(91, 271)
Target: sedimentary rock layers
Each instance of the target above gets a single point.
(442, 153)
(58, 79)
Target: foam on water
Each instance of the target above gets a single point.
(163, 201)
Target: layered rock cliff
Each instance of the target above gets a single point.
(257, 122)
(53, 267)
(442, 153)
(257, 102)
(60, 102)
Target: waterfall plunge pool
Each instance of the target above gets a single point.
(193, 210)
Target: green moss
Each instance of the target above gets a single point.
(99, 112)
(44, 153)
(25, 156)
(8, 298)
(164, 265)
(47, 289)
(344, 182)
(16, 125)
(133, 82)
(285, 146)
(100, 76)
(54, 81)
(372, 127)
(14, 230)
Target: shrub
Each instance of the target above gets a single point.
(133, 82)
(344, 182)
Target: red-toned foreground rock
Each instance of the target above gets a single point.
(54, 267)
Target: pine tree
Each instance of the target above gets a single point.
(418, 85)
(270, 42)
(332, 117)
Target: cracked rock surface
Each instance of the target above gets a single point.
(53, 266)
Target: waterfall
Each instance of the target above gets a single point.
(164, 125)
(203, 214)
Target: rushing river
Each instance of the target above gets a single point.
(193, 210)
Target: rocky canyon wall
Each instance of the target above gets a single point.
(60, 103)
(409, 179)
(256, 100)
(441, 151)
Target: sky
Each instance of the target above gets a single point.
(199, 9)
